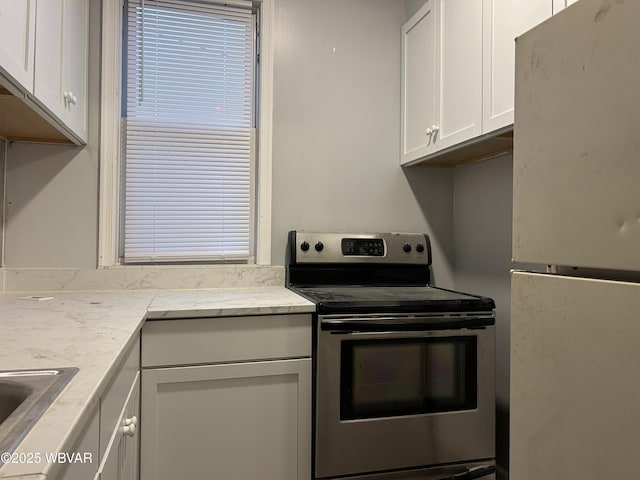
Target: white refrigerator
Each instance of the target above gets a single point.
(575, 330)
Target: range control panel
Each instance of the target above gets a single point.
(391, 248)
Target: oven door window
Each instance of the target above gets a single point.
(386, 378)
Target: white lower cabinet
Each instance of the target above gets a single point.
(247, 417)
(234, 421)
(87, 444)
(110, 432)
(121, 458)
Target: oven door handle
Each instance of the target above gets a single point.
(406, 324)
(473, 473)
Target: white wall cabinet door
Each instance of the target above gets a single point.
(419, 84)
(61, 61)
(229, 421)
(504, 20)
(459, 101)
(441, 77)
(75, 64)
(17, 36)
(49, 56)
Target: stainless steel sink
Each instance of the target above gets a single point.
(24, 397)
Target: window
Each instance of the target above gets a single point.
(187, 131)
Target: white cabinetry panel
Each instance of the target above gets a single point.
(229, 397)
(87, 444)
(48, 80)
(441, 77)
(418, 83)
(61, 61)
(121, 456)
(17, 36)
(75, 64)
(225, 339)
(460, 62)
(504, 20)
(231, 421)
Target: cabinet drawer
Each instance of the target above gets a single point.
(116, 393)
(225, 339)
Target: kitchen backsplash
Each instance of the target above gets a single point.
(139, 278)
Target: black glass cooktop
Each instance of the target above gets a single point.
(394, 299)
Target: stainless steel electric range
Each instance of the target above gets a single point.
(404, 372)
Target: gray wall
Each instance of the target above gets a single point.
(52, 190)
(337, 129)
(482, 239)
(51, 206)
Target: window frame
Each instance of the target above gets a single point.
(110, 133)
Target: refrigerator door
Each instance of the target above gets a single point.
(576, 161)
(575, 378)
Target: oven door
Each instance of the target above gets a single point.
(403, 392)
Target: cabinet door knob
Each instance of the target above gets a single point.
(130, 426)
(130, 421)
(435, 128)
(429, 131)
(70, 98)
(129, 430)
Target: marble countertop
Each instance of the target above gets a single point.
(91, 331)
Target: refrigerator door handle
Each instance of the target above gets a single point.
(473, 473)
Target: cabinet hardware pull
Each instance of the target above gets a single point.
(129, 426)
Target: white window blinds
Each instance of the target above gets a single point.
(187, 131)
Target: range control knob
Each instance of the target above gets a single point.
(319, 246)
(419, 248)
(406, 247)
(304, 246)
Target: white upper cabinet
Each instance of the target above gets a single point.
(460, 61)
(17, 34)
(418, 83)
(504, 20)
(61, 61)
(44, 69)
(48, 79)
(441, 77)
